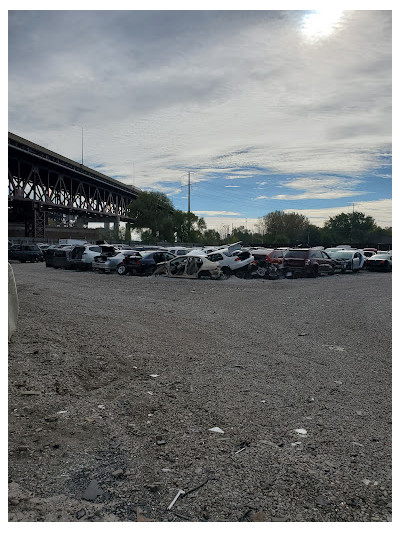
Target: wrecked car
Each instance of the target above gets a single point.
(232, 260)
(190, 266)
(106, 262)
(347, 260)
(144, 263)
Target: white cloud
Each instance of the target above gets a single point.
(380, 210)
(215, 213)
(167, 91)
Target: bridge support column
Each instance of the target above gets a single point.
(106, 226)
(116, 224)
(35, 224)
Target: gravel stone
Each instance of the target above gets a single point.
(86, 339)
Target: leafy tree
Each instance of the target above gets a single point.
(153, 212)
(283, 228)
(352, 228)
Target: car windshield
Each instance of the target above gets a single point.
(341, 254)
(297, 253)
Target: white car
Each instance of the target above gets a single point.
(179, 251)
(232, 261)
(190, 266)
(87, 253)
(348, 260)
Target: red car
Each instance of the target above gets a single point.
(308, 261)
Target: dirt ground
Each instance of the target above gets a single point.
(115, 383)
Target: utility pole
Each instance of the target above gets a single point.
(82, 145)
(189, 203)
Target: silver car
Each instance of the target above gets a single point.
(108, 263)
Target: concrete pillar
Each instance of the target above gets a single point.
(116, 224)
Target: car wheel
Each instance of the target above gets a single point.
(226, 271)
(122, 270)
(314, 272)
(204, 275)
(331, 272)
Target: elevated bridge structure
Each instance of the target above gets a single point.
(41, 182)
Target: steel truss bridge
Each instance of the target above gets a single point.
(41, 182)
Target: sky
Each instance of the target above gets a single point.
(266, 109)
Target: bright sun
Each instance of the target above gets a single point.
(320, 24)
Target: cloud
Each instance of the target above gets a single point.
(380, 210)
(319, 188)
(215, 213)
(232, 186)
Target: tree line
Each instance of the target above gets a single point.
(155, 218)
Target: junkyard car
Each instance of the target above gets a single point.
(143, 262)
(232, 260)
(190, 266)
(381, 262)
(25, 253)
(368, 252)
(107, 263)
(347, 260)
(178, 251)
(308, 262)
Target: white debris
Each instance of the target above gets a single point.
(298, 443)
(334, 347)
(154, 375)
(338, 382)
(180, 491)
(357, 444)
(263, 401)
(216, 430)
(301, 431)
(149, 392)
(61, 412)
(101, 406)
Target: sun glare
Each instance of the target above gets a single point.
(320, 24)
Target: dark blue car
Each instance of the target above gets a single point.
(143, 263)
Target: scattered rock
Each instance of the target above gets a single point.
(118, 473)
(80, 514)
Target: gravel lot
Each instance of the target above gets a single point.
(115, 382)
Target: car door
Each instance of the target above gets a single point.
(326, 262)
(356, 261)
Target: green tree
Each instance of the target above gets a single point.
(351, 228)
(153, 212)
(283, 228)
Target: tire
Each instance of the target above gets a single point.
(314, 272)
(204, 275)
(121, 270)
(226, 271)
(331, 272)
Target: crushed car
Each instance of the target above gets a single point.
(190, 266)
